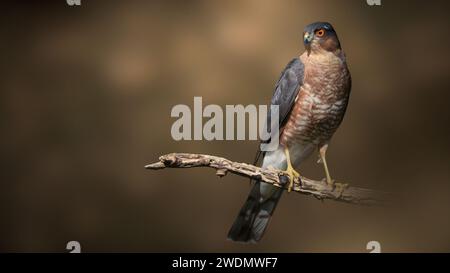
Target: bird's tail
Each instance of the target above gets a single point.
(254, 216)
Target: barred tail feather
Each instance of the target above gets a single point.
(254, 216)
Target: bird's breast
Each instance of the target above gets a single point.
(319, 106)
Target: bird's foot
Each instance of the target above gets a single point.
(292, 174)
(330, 182)
(339, 187)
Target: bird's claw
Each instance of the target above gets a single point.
(339, 187)
(292, 174)
(330, 182)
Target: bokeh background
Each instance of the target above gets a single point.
(86, 95)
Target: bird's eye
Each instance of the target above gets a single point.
(320, 32)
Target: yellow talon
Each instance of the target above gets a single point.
(340, 187)
(290, 171)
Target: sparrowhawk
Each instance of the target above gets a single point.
(312, 94)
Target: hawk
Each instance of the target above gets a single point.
(312, 94)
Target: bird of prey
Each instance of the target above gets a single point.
(312, 94)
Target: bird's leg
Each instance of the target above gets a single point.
(290, 171)
(340, 187)
(323, 160)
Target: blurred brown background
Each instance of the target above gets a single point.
(86, 94)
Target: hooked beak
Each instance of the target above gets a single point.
(307, 38)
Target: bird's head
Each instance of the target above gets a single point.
(320, 36)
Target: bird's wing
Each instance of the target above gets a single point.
(286, 90)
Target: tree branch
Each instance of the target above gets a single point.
(319, 189)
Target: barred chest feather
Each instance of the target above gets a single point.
(321, 102)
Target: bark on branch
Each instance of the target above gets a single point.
(319, 189)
